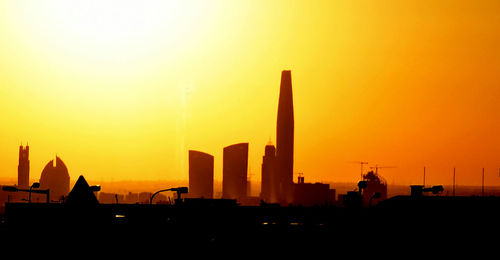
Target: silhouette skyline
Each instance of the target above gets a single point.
(188, 92)
(423, 98)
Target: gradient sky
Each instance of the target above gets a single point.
(123, 89)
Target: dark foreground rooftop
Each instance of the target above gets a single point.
(402, 220)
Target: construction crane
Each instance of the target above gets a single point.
(360, 163)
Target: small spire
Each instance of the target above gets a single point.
(270, 142)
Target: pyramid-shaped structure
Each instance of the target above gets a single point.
(81, 195)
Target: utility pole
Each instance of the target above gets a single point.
(424, 176)
(482, 185)
(453, 181)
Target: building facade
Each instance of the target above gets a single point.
(201, 175)
(270, 185)
(313, 194)
(234, 171)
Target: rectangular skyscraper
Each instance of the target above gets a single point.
(284, 138)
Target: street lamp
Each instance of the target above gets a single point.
(376, 195)
(179, 191)
(95, 188)
(35, 185)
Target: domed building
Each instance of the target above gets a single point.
(56, 179)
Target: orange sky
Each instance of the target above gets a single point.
(122, 89)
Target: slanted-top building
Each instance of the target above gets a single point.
(234, 171)
(201, 175)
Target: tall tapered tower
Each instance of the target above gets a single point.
(284, 137)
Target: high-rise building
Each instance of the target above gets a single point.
(284, 138)
(269, 183)
(234, 171)
(23, 168)
(56, 179)
(201, 175)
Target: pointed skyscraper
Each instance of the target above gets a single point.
(284, 137)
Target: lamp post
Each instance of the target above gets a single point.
(179, 191)
(375, 195)
(35, 185)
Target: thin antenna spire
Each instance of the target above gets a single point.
(424, 176)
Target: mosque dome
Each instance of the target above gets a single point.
(56, 179)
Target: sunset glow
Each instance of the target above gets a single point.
(121, 90)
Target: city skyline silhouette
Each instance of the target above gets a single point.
(123, 92)
(149, 126)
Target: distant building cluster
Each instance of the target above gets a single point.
(54, 178)
(277, 186)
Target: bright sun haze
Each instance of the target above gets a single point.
(121, 90)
